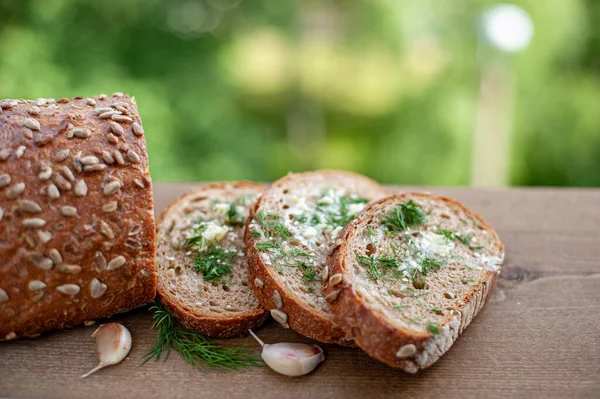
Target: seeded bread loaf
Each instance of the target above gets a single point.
(410, 274)
(76, 213)
(290, 230)
(202, 269)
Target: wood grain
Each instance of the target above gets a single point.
(539, 335)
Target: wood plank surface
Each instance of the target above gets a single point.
(538, 336)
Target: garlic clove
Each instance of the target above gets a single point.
(113, 342)
(292, 359)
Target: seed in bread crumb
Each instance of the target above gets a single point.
(406, 351)
(277, 299)
(88, 323)
(10, 335)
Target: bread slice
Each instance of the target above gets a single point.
(290, 229)
(411, 273)
(202, 274)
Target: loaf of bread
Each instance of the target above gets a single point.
(76, 213)
(409, 275)
(290, 231)
(202, 268)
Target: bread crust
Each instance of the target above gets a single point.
(300, 317)
(85, 182)
(372, 332)
(212, 326)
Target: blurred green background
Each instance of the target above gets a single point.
(395, 89)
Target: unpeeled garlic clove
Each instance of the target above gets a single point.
(113, 342)
(292, 359)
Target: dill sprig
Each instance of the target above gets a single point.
(403, 216)
(194, 349)
(234, 218)
(214, 262)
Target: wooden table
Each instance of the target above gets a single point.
(538, 336)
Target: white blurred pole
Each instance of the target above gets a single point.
(491, 151)
(506, 29)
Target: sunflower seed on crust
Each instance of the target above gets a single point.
(3, 296)
(116, 263)
(112, 187)
(107, 157)
(80, 188)
(68, 269)
(55, 255)
(100, 261)
(20, 151)
(279, 316)
(36, 285)
(33, 223)
(40, 261)
(97, 288)
(82, 133)
(332, 296)
(106, 230)
(108, 114)
(94, 168)
(5, 153)
(116, 128)
(32, 124)
(110, 207)
(120, 118)
(89, 160)
(137, 129)
(61, 155)
(68, 173)
(259, 283)
(4, 180)
(102, 110)
(61, 182)
(15, 191)
(133, 157)
(52, 191)
(29, 206)
(336, 279)
(68, 289)
(44, 236)
(68, 211)
(34, 110)
(118, 157)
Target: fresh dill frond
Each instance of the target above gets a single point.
(436, 310)
(295, 251)
(268, 245)
(434, 328)
(369, 262)
(234, 218)
(193, 348)
(344, 216)
(428, 264)
(403, 216)
(214, 262)
(271, 223)
(446, 233)
(196, 238)
(466, 239)
(256, 234)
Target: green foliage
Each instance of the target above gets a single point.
(252, 90)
